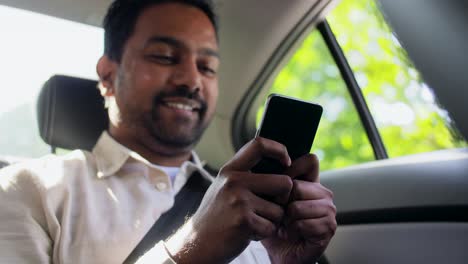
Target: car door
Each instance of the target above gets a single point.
(395, 158)
(410, 209)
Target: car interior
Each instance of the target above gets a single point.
(408, 208)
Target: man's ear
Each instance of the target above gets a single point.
(107, 70)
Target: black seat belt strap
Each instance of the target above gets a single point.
(186, 203)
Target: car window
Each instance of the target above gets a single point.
(405, 109)
(33, 48)
(312, 75)
(403, 106)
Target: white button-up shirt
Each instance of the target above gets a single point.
(90, 207)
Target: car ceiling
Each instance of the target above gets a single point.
(250, 32)
(83, 11)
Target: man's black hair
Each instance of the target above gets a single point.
(122, 16)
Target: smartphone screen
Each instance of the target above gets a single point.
(291, 122)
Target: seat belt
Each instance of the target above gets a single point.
(186, 203)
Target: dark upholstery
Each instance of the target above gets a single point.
(3, 164)
(71, 113)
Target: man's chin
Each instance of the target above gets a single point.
(176, 140)
(174, 134)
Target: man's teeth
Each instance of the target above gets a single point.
(180, 106)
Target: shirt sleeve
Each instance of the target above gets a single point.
(23, 236)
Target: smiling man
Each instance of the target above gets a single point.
(119, 202)
(163, 78)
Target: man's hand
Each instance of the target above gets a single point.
(234, 210)
(309, 222)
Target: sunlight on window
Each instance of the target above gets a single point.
(312, 75)
(402, 104)
(33, 48)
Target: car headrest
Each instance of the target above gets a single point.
(71, 113)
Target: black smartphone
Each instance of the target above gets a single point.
(291, 122)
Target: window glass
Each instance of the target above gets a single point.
(403, 105)
(312, 75)
(33, 48)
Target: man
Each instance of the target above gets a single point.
(159, 75)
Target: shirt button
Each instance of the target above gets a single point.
(162, 186)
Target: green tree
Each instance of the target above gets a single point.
(407, 114)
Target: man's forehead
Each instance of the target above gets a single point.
(179, 21)
(176, 43)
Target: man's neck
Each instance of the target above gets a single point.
(153, 152)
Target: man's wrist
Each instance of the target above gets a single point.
(185, 247)
(176, 246)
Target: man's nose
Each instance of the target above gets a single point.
(187, 74)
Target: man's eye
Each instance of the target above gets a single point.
(162, 59)
(207, 70)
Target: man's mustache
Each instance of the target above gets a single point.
(184, 92)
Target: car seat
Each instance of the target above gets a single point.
(71, 113)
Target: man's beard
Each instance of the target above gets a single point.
(180, 133)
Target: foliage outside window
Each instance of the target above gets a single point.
(405, 110)
(404, 107)
(312, 75)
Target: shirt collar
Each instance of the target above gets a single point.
(111, 156)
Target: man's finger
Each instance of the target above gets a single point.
(270, 185)
(261, 227)
(315, 229)
(305, 168)
(304, 190)
(310, 209)
(255, 150)
(268, 210)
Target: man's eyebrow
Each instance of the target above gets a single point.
(178, 44)
(164, 40)
(209, 52)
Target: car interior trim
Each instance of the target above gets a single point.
(354, 90)
(455, 213)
